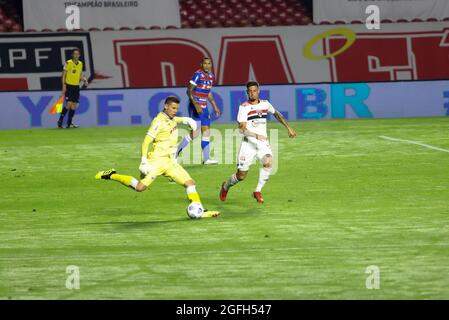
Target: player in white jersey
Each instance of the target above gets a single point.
(252, 119)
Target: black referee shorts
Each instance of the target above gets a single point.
(72, 94)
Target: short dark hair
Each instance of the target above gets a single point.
(172, 99)
(251, 84)
(205, 58)
(75, 50)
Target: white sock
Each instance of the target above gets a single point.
(190, 189)
(133, 184)
(184, 143)
(232, 181)
(264, 175)
(205, 147)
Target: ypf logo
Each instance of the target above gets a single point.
(34, 62)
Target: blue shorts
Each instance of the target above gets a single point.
(204, 117)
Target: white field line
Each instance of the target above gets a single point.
(415, 142)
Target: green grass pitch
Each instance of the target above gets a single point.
(343, 199)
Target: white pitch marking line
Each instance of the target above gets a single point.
(415, 142)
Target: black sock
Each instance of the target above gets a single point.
(62, 115)
(71, 114)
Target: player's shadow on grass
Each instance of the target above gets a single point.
(140, 224)
(226, 216)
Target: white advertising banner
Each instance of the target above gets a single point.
(278, 55)
(128, 107)
(52, 14)
(349, 10)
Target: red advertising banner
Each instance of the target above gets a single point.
(278, 55)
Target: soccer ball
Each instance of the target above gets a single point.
(195, 210)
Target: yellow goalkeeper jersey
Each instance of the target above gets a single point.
(164, 131)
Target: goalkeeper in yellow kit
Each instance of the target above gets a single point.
(163, 134)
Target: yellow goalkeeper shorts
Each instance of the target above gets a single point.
(167, 167)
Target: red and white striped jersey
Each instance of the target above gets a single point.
(255, 115)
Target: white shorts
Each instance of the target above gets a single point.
(251, 148)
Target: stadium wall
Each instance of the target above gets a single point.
(127, 107)
(272, 55)
(46, 14)
(349, 10)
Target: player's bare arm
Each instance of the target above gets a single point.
(211, 99)
(281, 119)
(192, 99)
(84, 79)
(244, 130)
(64, 87)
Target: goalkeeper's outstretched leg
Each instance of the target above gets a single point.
(128, 181)
(139, 186)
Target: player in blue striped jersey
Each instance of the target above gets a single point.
(199, 93)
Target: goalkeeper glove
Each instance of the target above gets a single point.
(192, 123)
(144, 167)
